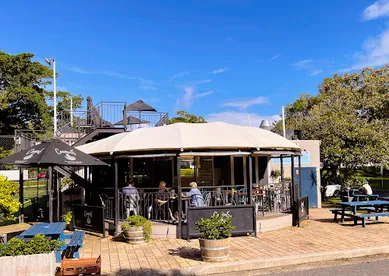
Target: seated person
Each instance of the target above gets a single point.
(196, 199)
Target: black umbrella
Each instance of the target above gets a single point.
(140, 106)
(52, 152)
(131, 120)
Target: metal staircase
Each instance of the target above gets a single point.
(78, 128)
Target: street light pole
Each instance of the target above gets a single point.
(55, 99)
(52, 62)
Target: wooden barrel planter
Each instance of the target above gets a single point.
(134, 235)
(215, 250)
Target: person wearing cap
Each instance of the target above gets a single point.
(196, 199)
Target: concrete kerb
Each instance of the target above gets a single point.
(284, 261)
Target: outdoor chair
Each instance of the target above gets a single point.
(84, 266)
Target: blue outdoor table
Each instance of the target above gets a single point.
(52, 230)
(354, 205)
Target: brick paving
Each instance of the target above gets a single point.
(319, 234)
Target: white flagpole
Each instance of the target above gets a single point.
(283, 121)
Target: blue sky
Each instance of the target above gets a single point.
(219, 59)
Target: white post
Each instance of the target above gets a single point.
(283, 121)
(71, 112)
(55, 99)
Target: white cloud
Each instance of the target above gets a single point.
(312, 67)
(179, 75)
(204, 94)
(76, 69)
(194, 83)
(375, 54)
(219, 71)
(240, 118)
(316, 72)
(275, 57)
(244, 104)
(145, 87)
(378, 9)
(189, 97)
(303, 64)
(142, 81)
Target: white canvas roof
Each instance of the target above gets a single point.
(187, 137)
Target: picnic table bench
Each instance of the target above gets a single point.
(376, 206)
(70, 250)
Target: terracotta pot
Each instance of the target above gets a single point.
(215, 250)
(134, 235)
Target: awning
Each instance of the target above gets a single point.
(146, 155)
(216, 153)
(281, 152)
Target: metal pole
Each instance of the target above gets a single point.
(50, 192)
(21, 196)
(282, 168)
(116, 199)
(179, 230)
(71, 112)
(283, 121)
(55, 98)
(250, 184)
(300, 187)
(58, 181)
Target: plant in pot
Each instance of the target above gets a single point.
(215, 237)
(136, 230)
(68, 218)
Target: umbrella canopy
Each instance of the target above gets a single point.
(140, 106)
(131, 120)
(52, 152)
(184, 136)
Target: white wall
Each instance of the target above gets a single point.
(14, 174)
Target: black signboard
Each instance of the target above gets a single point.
(302, 210)
(90, 218)
(243, 218)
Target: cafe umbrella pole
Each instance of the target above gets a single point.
(116, 199)
(50, 192)
(179, 230)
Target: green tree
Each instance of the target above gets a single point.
(22, 93)
(63, 103)
(349, 116)
(8, 200)
(185, 117)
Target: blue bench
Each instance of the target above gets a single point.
(70, 250)
(363, 217)
(338, 211)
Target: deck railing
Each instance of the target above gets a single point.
(156, 206)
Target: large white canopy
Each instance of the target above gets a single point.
(187, 137)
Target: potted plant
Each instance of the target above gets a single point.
(215, 237)
(136, 230)
(68, 218)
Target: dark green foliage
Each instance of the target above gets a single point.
(185, 117)
(38, 245)
(140, 221)
(350, 118)
(217, 227)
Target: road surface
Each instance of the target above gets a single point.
(368, 266)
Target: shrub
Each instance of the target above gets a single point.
(9, 203)
(187, 172)
(68, 217)
(140, 221)
(38, 245)
(217, 227)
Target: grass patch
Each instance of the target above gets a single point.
(330, 202)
